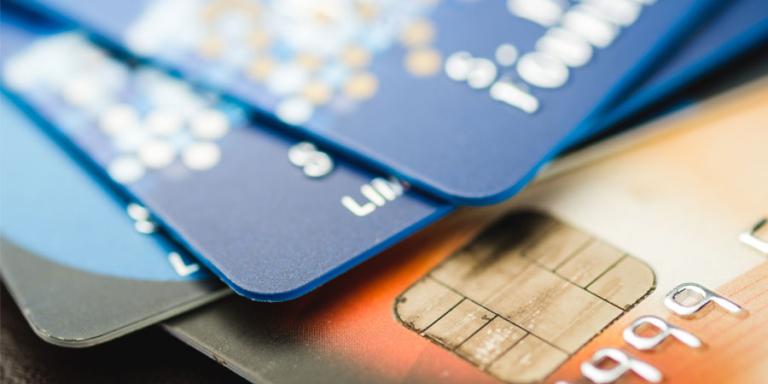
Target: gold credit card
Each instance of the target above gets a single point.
(570, 282)
(531, 290)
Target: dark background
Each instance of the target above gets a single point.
(148, 356)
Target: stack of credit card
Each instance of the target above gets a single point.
(158, 155)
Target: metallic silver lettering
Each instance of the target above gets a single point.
(620, 12)
(313, 162)
(665, 330)
(624, 364)
(384, 188)
(358, 210)
(372, 195)
(583, 21)
(542, 70)
(750, 237)
(543, 12)
(703, 296)
(570, 48)
(182, 268)
(507, 92)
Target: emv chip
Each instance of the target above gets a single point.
(524, 295)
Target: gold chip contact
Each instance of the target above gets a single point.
(524, 295)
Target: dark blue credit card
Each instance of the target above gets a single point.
(465, 99)
(272, 217)
(739, 27)
(81, 268)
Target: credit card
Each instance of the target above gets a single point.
(272, 217)
(73, 259)
(465, 99)
(739, 26)
(619, 232)
(686, 349)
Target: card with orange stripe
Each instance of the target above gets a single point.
(645, 265)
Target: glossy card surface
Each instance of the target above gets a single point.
(463, 99)
(69, 252)
(273, 218)
(614, 235)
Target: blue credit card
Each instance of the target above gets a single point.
(272, 217)
(74, 261)
(739, 26)
(463, 99)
